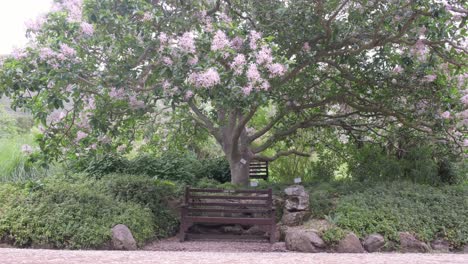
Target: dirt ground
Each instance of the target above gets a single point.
(41, 256)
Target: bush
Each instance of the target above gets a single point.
(71, 214)
(427, 211)
(216, 169)
(333, 235)
(147, 192)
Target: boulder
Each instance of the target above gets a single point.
(373, 242)
(304, 241)
(294, 218)
(465, 249)
(255, 231)
(297, 198)
(350, 244)
(235, 229)
(409, 244)
(122, 238)
(440, 245)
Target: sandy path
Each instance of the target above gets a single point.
(30, 256)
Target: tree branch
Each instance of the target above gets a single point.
(281, 154)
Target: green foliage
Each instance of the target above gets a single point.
(372, 163)
(14, 165)
(8, 125)
(216, 169)
(333, 235)
(147, 192)
(427, 211)
(77, 212)
(72, 214)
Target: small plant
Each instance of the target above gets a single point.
(333, 235)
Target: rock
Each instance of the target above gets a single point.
(409, 244)
(350, 244)
(255, 231)
(465, 249)
(235, 229)
(389, 246)
(374, 242)
(297, 198)
(304, 241)
(440, 245)
(122, 238)
(294, 190)
(294, 218)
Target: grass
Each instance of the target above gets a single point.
(14, 165)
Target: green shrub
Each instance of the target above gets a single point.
(216, 169)
(427, 211)
(68, 214)
(333, 235)
(150, 193)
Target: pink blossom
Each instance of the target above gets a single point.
(74, 8)
(465, 142)
(276, 69)
(264, 56)
(26, 149)
(62, 115)
(187, 42)
(69, 88)
(188, 95)
(306, 47)
(206, 79)
(80, 135)
(166, 60)
(117, 93)
(147, 16)
(18, 53)
(265, 86)
(67, 50)
(237, 43)
(430, 78)
(254, 37)
(464, 99)
(422, 30)
(238, 64)
(220, 41)
(246, 90)
(252, 73)
(91, 103)
(462, 79)
(93, 146)
(225, 18)
(163, 38)
(87, 29)
(35, 24)
(398, 69)
(135, 103)
(445, 115)
(419, 49)
(46, 53)
(166, 84)
(192, 61)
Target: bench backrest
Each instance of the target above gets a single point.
(228, 201)
(258, 169)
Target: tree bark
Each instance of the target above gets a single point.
(239, 171)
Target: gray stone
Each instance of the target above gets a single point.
(236, 229)
(294, 218)
(255, 230)
(350, 244)
(122, 238)
(297, 199)
(373, 242)
(440, 245)
(465, 249)
(409, 244)
(304, 241)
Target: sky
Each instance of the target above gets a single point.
(13, 15)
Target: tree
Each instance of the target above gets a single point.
(252, 74)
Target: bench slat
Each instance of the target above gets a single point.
(233, 197)
(229, 204)
(228, 210)
(229, 220)
(227, 191)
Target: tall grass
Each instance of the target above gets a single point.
(14, 165)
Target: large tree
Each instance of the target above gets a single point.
(252, 73)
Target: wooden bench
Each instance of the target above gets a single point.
(244, 207)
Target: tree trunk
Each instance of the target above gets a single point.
(239, 172)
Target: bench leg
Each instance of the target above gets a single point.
(273, 233)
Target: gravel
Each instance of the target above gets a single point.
(41, 256)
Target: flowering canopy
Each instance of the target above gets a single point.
(96, 71)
